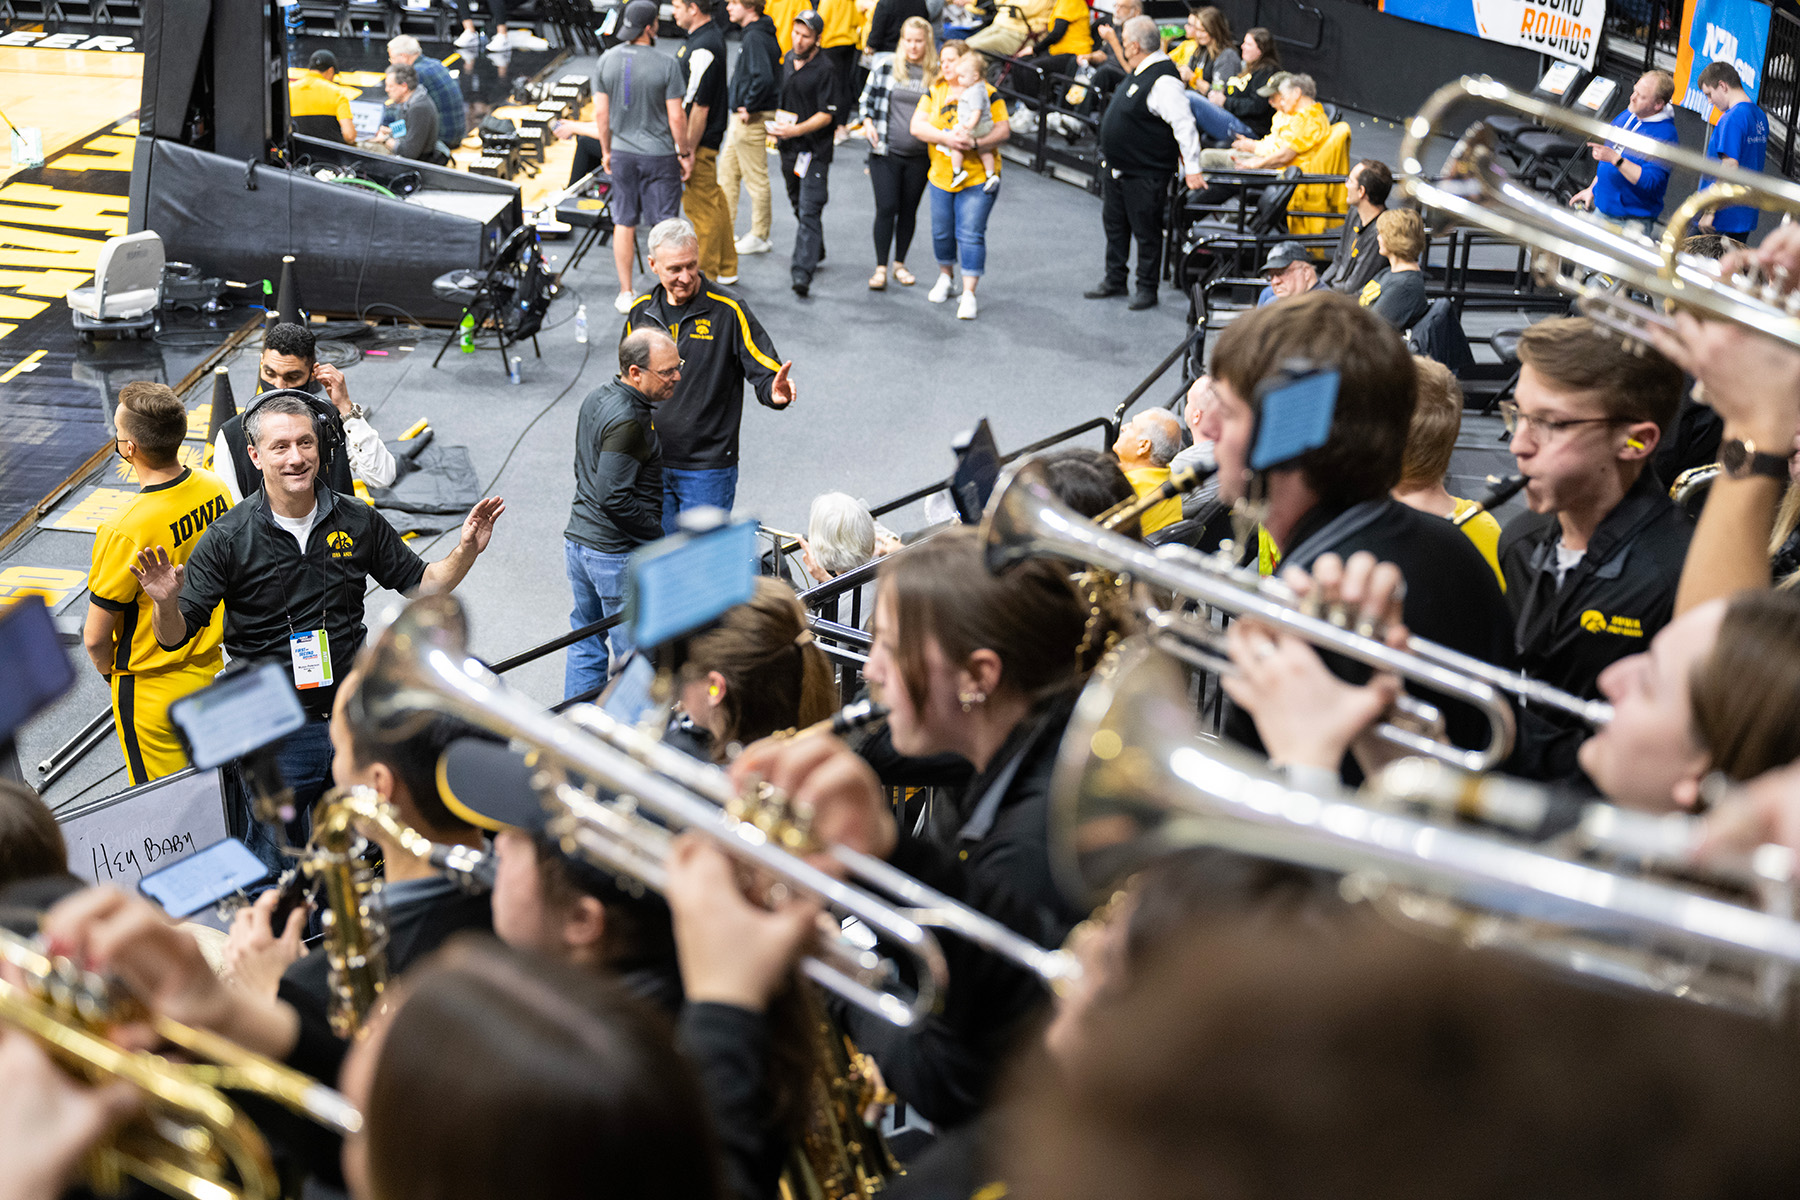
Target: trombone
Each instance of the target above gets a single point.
(1025, 519)
(1474, 190)
(1134, 780)
(190, 1141)
(420, 664)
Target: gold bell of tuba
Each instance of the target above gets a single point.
(190, 1140)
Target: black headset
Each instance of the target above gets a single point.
(327, 426)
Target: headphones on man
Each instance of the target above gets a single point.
(327, 426)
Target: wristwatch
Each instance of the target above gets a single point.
(356, 412)
(1741, 459)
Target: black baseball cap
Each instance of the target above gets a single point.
(1285, 255)
(639, 16)
(322, 60)
(812, 20)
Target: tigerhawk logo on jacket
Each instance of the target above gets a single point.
(1595, 621)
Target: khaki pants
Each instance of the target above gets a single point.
(745, 157)
(706, 208)
(999, 39)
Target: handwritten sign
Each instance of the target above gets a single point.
(120, 839)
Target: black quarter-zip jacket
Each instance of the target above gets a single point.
(722, 346)
(272, 589)
(1610, 604)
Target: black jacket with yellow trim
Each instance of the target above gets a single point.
(1610, 604)
(722, 347)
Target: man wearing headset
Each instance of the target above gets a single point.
(351, 449)
(1591, 570)
(291, 565)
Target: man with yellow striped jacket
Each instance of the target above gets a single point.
(722, 347)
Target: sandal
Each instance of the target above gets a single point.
(878, 281)
(902, 276)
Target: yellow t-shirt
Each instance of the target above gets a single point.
(1302, 130)
(1145, 480)
(1078, 38)
(1484, 531)
(313, 95)
(782, 14)
(840, 23)
(172, 515)
(940, 110)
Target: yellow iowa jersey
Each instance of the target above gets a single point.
(1078, 38)
(312, 95)
(172, 515)
(783, 13)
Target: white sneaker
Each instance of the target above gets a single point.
(940, 291)
(524, 39)
(727, 280)
(1023, 120)
(622, 301)
(468, 38)
(965, 308)
(751, 244)
(499, 42)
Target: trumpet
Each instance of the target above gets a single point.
(1025, 518)
(1474, 190)
(190, 1141)
(419, 664)
(1135, 780)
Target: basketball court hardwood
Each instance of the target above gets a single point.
(68, 94)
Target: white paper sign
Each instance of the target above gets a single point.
(120, 839)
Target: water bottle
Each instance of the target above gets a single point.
(468, 334)
(365, 37)
(581, 324)
(513, 370)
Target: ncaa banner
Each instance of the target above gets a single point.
(1733, 31)
(1565, 29)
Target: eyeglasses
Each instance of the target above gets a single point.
(1546, 427)
(679, 364)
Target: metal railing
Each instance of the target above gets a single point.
(1779, 95)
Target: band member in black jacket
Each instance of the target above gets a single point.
(1335, 498)
(1591, 571)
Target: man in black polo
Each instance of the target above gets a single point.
(1591, 570)
(355, 450)
(291, 566)
(809, 89)
(722, 346)
(1148, 131)
(1357, 259)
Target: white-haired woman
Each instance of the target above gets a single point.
(841, 536)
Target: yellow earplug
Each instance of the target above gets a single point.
(1634, 443)
(712, 693)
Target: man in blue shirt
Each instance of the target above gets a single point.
(1740, 139)
(1629, 186)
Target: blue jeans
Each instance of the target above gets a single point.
(1214, 121)
(693, 489)
(959, 227)
(304, 757)
(598, 581)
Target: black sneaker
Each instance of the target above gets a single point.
(1141, 301)
(802, 289)
(1104, 292)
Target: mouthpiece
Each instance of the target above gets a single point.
(1500, 490)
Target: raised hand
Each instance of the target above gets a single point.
(478, 526)
(158, 574)
(332, 380)
(781, 392)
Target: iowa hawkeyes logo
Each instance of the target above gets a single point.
(1594, 621)
(340, 542)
